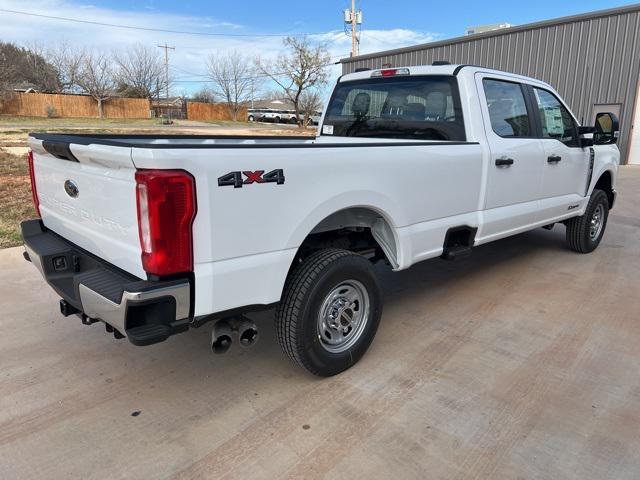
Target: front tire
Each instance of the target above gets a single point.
(585, 233)
(329, 312)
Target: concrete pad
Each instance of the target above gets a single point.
(519, 362)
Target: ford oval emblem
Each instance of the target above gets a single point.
(71, 188)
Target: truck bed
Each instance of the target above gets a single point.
(223, 141)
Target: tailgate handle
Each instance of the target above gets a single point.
(554, 159)
(59, 150)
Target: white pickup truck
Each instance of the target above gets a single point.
(153, 235)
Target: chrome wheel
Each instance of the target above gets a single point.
(343, 315)
(597, 220)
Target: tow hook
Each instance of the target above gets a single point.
(226, 329)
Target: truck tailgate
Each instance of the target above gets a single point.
(87, 195)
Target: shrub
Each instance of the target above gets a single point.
(51, 111)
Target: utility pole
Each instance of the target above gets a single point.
(252, 90)
(353, 18)
(166, 71)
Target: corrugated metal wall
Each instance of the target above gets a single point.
(589, 61)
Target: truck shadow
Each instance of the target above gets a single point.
(425, 281)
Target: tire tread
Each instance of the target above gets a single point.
(288, 313)
(577, 227)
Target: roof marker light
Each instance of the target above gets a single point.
(390, 72)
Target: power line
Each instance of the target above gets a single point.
(149, 29)
(252, 77)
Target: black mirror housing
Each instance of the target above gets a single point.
(607, 129)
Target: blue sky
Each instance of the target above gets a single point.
(324, 15)
(386, 25)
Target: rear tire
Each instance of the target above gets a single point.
(329, 312)
(585, 233)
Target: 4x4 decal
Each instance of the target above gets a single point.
(235, 178)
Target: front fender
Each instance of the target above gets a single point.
(607, 159)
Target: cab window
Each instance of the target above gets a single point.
(555, 119)
(405, 107)
(507, 108)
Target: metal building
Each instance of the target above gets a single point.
(593, 60)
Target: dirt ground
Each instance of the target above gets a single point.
(519, 362)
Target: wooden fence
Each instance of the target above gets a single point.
(71, 106)
(212, 111)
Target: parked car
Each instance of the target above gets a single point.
(315, 118)
(271, 115)
(289, 116)
(255, 115)
(153, 235)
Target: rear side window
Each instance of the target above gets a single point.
(555, 119)
(419, 107)
(507, 108)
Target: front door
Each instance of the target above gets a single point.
(514, 178)
(566, 164)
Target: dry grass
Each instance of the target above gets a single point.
(49, 123)
(15, 188)
(15, 198)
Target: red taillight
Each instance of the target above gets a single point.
(34, 190)
(166, 209)
(389, 72)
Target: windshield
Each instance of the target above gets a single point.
(419, 107)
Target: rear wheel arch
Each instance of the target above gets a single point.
(358, 229)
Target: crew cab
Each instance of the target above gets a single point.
(153, 235)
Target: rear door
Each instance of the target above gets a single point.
(514, 178)
(87, 195)
(566, 164)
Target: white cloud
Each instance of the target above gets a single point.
(191, 50)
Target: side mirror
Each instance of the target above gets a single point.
(607, 129)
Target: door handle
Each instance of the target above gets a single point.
(504, 162)
(554, 158)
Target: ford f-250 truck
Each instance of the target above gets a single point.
(153, 235)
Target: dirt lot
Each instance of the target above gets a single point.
(15, 189)
(519, 362)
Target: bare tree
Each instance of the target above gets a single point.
(96, 78)
(204, 95)
(22, 67)
(140, 72)
(67, 60)
(8, 69)
(310, 103)
(39, 68)
(272, 95)
(233, 78)
(301, 69)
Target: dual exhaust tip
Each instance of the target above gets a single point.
(225, 330)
